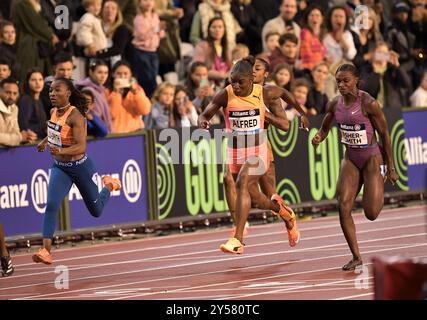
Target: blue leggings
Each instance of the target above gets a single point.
(62, 177)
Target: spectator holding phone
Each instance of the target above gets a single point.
(127, 100)
(184, 111)
(284, 23)
(385, 80)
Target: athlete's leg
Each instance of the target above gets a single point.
(59, 186)
(84, 175)
(7, 268)
(373, 195)
(3, 249)
(267, 182)
(248, 191)
(230, 192)
(349, 183)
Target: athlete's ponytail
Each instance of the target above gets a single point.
(77, 99)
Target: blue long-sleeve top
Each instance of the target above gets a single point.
(96, 127)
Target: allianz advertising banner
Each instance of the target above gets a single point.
(415, 148)
(190, 167)
(24, 176)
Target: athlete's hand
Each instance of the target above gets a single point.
(305, 124)
(41, 147)
(316, 140)
(203, 123)
(54, 150)
(392, 175)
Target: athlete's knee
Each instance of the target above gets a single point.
(371, 213)
(228, 180)
(345, 204)
(242, 181)
(95, 211)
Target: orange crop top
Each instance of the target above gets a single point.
(59, 133)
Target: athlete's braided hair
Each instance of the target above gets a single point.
(244, 66)
(76, 99)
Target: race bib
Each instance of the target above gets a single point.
(54, 134)
(354, 135)
(245, 121)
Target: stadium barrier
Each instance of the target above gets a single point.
(175, 175)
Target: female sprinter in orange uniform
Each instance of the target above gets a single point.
(67, 141)
(245, 109)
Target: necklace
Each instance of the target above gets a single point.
(65, 107)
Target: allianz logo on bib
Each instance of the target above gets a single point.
(416, 151)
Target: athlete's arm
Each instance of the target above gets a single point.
(326, 123)
(289, 98)
(277, 117)
(41, 147)
(373, 109)
(78, 125)
(219, 101)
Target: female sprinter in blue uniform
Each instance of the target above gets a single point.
(67, 132)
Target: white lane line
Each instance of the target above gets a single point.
(180, 255)
(355, 296)
(269, 234)
(276, 276)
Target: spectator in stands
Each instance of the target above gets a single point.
(202, 20)
(10, 134)
(250, 23)
(240, 51)
(338, 41)
(161, 116)
(118, 35)
(317, 99)
(366, 40)
(9, 48)
(286, 53)
(265, 9)
(200, 89)
(400, 39)
(5, 70)
(129, 9)
(284, 23)
(31, 111)
(184, 111)
(312, 50)
(271, 43)
(95, 127)
(89, 33)
(214, 51)
(62, 68)
(169, 50)
(385, 79)
(36, 38)
(63, 33)
(419, 97)
(147, 35)
(283, 76)
(127, 100)
(98, 75)
(190, 8)
(300, 88)
(418, 26)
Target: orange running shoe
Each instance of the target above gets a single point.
(42, 256)
(245, 231)
(116, 185)
(233, 245)
(287, 214)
